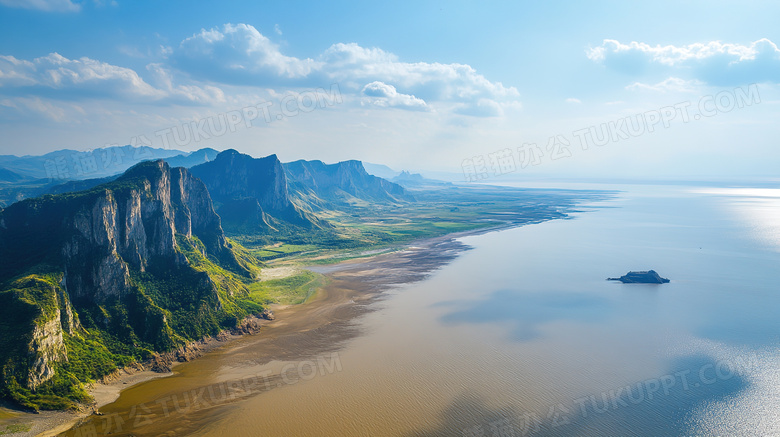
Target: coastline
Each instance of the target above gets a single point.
(354, 284)
(108, 389)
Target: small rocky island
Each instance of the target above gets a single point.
(648, 277)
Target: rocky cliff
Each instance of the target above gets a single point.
(345, 181)
(142, 259)
(252, 192)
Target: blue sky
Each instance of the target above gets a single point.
(417, 85)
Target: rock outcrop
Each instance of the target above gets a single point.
(252, 192)
(98, 250)
(37, 312)
(648, 277)
(342, 181)
(47, 347)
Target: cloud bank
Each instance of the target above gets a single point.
(714, 62)
(56, 76)
(238, 57)
(240, 54)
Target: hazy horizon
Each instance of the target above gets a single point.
(570, 90)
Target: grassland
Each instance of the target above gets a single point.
(365, 230)
(289, 290)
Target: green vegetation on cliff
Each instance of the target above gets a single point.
(95, 280)
(99, 279)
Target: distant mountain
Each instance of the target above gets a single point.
(69, 170)
(380, 170)
(184, 160)
(416, 180)
(72, 164)
(71, 186)
(343, 182)
(141, 261)
(10, 176)
(251, 193)
(192, 159)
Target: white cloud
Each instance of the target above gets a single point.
(43, 5)
(341, 55)
(185, 93)
(713, 62)
(59, 77)
(238, 54)
(277, 29)
(430, 81)
(384, 95)
(674, 55)
(56, 72)
(573, 100)
(671, 84)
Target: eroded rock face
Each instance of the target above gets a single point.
(97, 238)
(46, 348)
(329, 181)
(188, 352)
(249, 326)
(195, 214)
(234, 175)
(251, 189)
(124, 229)
(68, 318)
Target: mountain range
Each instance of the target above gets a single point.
(252, 194)
(114, 270)
(343, 182)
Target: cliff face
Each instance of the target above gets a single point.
(338, 182)
(133, 255)
(103, 233)
(252, 192)
(45, 348)
(38, 314)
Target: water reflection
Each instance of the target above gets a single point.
(663, 405)
(527, 311)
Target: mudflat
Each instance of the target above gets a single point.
(303, 338)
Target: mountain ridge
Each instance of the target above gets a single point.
(252, 192)
(343, 182)
(142, 261)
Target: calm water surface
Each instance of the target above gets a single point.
(522, 335)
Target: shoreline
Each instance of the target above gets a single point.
(50, 423)
(353, 284)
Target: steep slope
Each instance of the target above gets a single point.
(141, 263)
(251, 193)
(10, 176)
(380, 170)
(343, 182)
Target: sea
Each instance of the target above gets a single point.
(522, 335)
